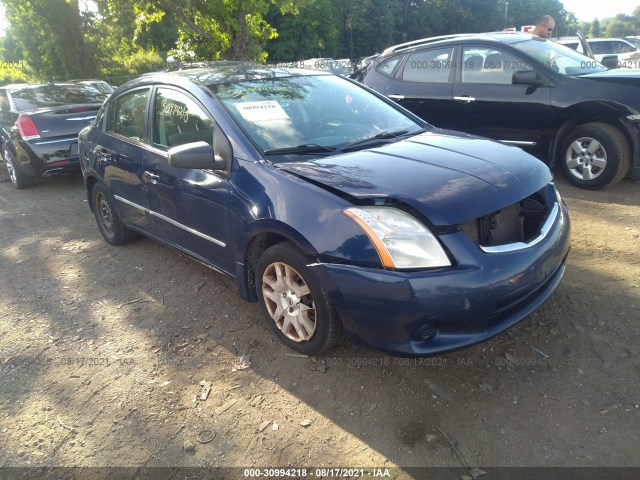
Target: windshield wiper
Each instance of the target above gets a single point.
(300, 149)
(376, 139)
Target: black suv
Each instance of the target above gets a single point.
(521, 90)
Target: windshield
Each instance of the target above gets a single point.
(311, 112)
(559, 58)
(634, 41)
(102, 87)
(41, 96)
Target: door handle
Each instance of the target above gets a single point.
(396, 97)
(151, 177)
(465, 99)
(102, 154)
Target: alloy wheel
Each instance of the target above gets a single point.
(586, 158)
(289, 301)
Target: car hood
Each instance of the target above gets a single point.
(618, 75)
(450, 178)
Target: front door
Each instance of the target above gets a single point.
(487, 103)
(190, 206)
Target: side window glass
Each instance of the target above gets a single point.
(488, 65)
(387, 66)
(100, 116)
(429, 66)
(599, 48)
(127, 114)
(624, 48)
(178, 120)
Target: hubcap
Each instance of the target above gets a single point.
(106, 215)
(586, 158)
(289, 301)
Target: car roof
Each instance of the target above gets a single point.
(27, 86)
(607, 40)
(217, 73)
(501, 37)
(13, 86)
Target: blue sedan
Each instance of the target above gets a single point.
(337, 210)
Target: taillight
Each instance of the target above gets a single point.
(80, 109)
(27, 128)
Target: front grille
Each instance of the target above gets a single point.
(520, 222)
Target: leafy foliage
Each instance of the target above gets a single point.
(51, 34)
(11, 74)
(624, 25)
(62, 39)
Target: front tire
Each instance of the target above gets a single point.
(294, 303)
(111, 227)
(18, 179)
(595, 156)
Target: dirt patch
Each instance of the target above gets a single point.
(103, 349)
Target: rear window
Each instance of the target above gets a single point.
(55, 95)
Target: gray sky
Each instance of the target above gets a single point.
(587, 10)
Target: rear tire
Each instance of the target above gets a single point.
(595, 156)
(294, 303)
(18, 179)
(111, 227)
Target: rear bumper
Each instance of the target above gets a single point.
(43, 157)
(428, 313)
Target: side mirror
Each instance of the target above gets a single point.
(527, 77)
(196, 155)
(610, 61)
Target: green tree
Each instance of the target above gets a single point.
(313, 32)
(594, 31)
(50, 37)
(11, 50)
(527, 12)
(624, 25)
(212, 29)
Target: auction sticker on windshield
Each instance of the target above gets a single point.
(261, 111)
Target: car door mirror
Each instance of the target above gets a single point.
(610, 61)
(527, 77)
(196, 155)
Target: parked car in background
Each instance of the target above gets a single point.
(328, 204)
(620, 53)
(635, 41)
(363, 62)
(521, 90)
(100, 85)
(39, 126)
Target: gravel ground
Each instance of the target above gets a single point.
(105, 353)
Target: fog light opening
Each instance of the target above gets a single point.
(425, 333)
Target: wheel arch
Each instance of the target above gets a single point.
(264, 235)
(591, 112)
(89, 182)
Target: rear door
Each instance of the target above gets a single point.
(423, 84)
(120, 153)
(190, 206)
